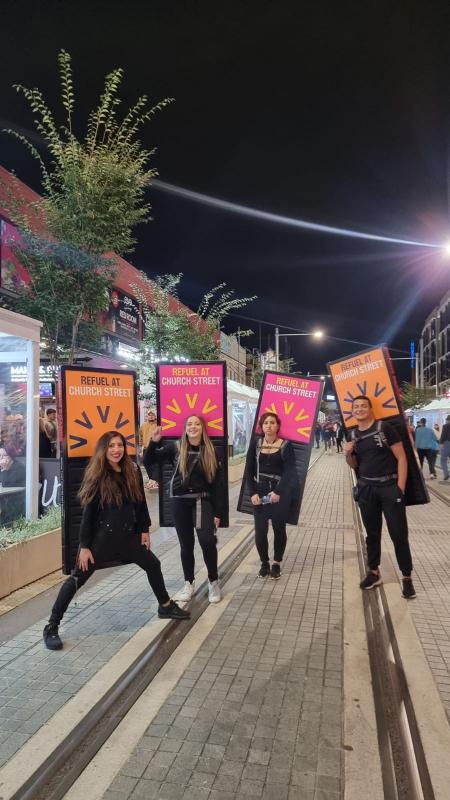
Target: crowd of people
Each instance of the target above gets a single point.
(430, 442)
(330, 434)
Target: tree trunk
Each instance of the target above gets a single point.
(73, 344)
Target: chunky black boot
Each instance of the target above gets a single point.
(172, 611)
(51, 637)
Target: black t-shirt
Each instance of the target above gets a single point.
(373, 454)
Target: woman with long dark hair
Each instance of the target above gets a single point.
(269, 474)
(114, 527)
(195, 498)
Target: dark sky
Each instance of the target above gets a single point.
(333, 112)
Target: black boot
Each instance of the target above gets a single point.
(51, 637)
(65, 595)
(172, 611)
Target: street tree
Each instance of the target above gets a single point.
(172, 331)
(416, 397)
(93, 197)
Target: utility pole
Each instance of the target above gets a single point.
(277, 349)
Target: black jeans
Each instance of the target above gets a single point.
(430, 456)
(374, 501)
(108, 548)
(183, 513)
(277, 514)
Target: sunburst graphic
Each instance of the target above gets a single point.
(189, 404)
(289, 407)
(364, 388)
(109, 422)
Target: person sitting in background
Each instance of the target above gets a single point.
(427, 446)
(12, 474)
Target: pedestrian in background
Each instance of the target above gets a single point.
(45, 447)
(195, 498)
(269, 475)
(326, 435)
(339, 437)
(145, 435)
(317, 434)
(444, 442)
(114, 527)
(51, 427)
(426, 446)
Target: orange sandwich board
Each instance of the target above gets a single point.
(371, 373)
(92, 402)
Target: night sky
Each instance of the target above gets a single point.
(333, 112)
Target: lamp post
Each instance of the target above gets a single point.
(314, 334)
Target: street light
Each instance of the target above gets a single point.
(315, 334)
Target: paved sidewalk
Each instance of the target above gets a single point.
(35, 683)
(259, 711)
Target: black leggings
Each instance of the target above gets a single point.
(106, 549)
(262, 514)
(183, 513)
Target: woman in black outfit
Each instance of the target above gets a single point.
(195, 498)
(269, 473)
(114, 527)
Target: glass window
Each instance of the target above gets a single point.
(13, 421)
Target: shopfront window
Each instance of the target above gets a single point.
(13, 427)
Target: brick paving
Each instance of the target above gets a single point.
(259, 711)
(35, 683)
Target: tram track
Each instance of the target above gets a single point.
(60, 770)
(404, 769)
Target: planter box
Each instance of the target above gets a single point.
(28, 561)
(236, 472)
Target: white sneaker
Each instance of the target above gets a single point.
(214, 594)
(187, 592)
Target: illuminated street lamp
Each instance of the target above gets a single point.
(315, 334)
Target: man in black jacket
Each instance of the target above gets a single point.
(444, 442)
(377, 454)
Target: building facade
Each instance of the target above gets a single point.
(434, 348)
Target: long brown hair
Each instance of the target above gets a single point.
(100, 478)
(208, 458)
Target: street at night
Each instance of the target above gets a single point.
(224, 400)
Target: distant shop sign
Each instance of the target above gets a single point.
(122, 317)
(19, 373)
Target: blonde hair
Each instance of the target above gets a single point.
(208, 458)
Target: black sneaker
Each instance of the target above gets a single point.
(408, 590)
(173, 611)
(275, 572)
(51, 637)
(265, 570)
(370, 581)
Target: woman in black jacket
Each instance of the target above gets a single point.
(269, 474)
(195, 498)
(114, 527)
